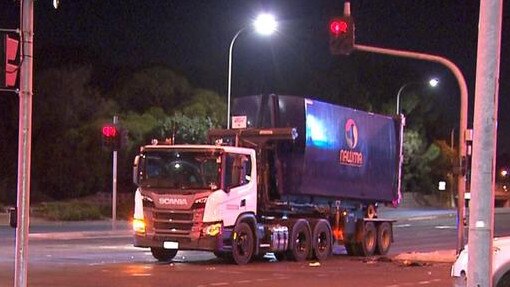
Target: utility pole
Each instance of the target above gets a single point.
(24, 143)
(481, 221)
(114, 180)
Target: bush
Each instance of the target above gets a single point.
(93, 207)
(69, 211)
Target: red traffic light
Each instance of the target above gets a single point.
(341, 31)
(337, 27)
(109, 131)
(11, 53)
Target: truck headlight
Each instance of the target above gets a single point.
(138, 225)
(213, 230)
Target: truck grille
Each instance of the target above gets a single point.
(172, 223)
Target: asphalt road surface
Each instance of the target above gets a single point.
(91, 254)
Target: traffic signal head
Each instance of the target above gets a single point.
(11, 53)
(111, 136)
(341, 31)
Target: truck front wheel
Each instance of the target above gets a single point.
(300, 241)
(162, 254)
(243, 243)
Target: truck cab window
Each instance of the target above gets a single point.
(238, 170)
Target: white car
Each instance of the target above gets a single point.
(500, 265)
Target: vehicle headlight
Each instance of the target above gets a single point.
(138, 225)
(213, 230)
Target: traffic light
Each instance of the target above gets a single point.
(11, 53)
(341, 31)
(111, 137)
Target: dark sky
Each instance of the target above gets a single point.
(193, 36)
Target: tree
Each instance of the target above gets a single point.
(152, 87)
(66, 139)
(206, 104)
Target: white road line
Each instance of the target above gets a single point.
(219, 284)
(445, 227)
(422, 218)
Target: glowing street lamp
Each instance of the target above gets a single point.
(265, 24)
(432, 82)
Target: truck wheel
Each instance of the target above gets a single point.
(504, 280)
(322, 240)
(243, 243)
(162, 254)
(383, 238)
(300, 240)
(369, 239)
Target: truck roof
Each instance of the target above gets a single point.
(202, 147)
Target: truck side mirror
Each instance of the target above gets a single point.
(136, 174)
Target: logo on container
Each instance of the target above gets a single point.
(350, 156)
(351, 133)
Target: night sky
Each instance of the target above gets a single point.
(193, 37)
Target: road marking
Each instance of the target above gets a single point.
(445, 227)
(402, 225)
(242, 282)
(421, 218)
(219, 284)
(141, 274)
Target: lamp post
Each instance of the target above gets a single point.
(432, 82)
(265, 24)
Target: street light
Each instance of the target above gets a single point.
(265, 24)
(432, 82)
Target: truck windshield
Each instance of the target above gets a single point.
(182, 169)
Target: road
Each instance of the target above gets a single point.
(90, 254)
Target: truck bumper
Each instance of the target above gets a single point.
(220, 242)
(202, 243)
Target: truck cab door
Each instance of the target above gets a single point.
(239, 185)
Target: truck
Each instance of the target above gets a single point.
(293, 177)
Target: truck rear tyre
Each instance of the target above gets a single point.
(243, 243)
(322, 240)
(369, 241)
(383, 238)
(162, 254)
(300, 240)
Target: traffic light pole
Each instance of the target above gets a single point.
(24, 143)
(114, 181)
(461, 177)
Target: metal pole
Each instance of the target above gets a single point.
(24, 143)
(461, 178)
(229, 85)
(398, 96)
(114, 181)
(481, 219)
